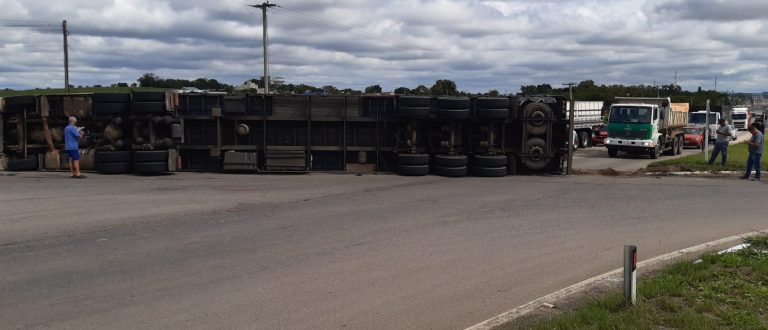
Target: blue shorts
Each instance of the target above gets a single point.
(74, 154)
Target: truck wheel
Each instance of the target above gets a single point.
(450, 161)
(656, 151)
(112, 156)
(584, 139)
(150, 168)
(413, 170)
(22, 165)
(150, 156)
(412, 159)
(534, 111)
(490, 171)
(613, 152)
(113, 168)
(535, 147)
(679, 145)
(489, 161)
(452, 172)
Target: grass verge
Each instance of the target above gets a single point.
(727, 291)
(737, 161)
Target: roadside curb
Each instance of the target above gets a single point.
(699, 173)
(611, 276)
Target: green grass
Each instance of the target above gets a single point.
(737, 161)
(728, 291)
(51, 91)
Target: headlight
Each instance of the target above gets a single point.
(607, 141)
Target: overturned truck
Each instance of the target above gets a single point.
(156, 132)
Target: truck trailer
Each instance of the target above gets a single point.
(644, 125)
(156, 132)
(587, 116)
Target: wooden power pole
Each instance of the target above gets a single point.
(264, 6)
(66, 56)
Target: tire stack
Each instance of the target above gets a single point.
(107, 105)
(452, 109)
(150, 161)
(452, 166)
(494, 110)
(113, 162)
(148, 103)
(414, 109)
(413, 164)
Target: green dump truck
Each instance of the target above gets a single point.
(645, 125)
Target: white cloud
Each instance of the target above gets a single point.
(481, 45)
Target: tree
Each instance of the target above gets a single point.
(420, 90)
(328, 89)
(444, 87)
(148, 80)
(402, 90)
(493, 92)
(373, 89)
(350, 91)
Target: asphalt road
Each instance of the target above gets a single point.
(323, 251)
(596, 158)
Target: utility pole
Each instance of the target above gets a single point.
(715, 83)
(263, 8)
(66, 56)
(570, 127)
(675, 78)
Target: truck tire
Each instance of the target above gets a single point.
(613, 152)
(150, 156)
(108, 109)
(149, 97)
(535, 146)
(489, 161)
(453, 113)
(148, 107)
(412, 159)
(680, 145)
(490, 171)
(492, 103)
(413, 170)
(111, 97)
(150, 168)
(23, 101)
(22, 165)
(112, 156)
(450, 161)
(533, 111)
(413, 112)
(113, 168)
(451, 172)
(414, 101)
(453, 103)
(487, 113)
(584, 139)
(656, 152)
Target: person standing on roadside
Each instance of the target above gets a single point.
(755, 145)
(721, 143)
(72, 136)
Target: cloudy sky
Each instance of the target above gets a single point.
(481, 45)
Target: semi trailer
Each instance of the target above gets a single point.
(645, 125)
(154, 132)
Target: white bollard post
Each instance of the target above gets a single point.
(630, 274)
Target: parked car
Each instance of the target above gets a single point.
(694, 137)
(601, 132)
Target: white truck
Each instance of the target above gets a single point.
(699, 119)
(647, 125)
(741, 118)
(586, 116)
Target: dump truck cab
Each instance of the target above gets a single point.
(645, 126)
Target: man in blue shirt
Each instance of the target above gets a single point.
(72, 137)
(755, 145)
